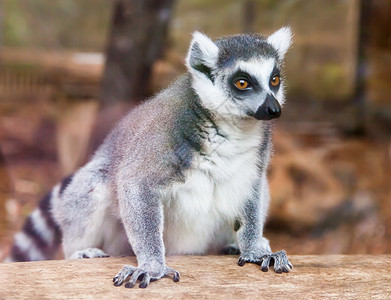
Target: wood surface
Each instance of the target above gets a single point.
(203, 277)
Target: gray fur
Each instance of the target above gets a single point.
(243, 47)
(177, 172)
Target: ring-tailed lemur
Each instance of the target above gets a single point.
(178, 173)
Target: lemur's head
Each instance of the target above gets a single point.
(240, 76)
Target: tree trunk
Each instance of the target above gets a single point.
(361, 68)
(373, 73)
(249, 9)
(137, 37)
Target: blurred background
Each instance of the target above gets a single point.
(70, 69)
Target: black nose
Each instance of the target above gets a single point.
(274, 112)
(270, 109)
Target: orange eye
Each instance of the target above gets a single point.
(242, 84)
(275, 80)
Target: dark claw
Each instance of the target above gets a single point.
(85, 256)
(145, 281)
(176, 277)
(265, 263)
(241, 261)
(265, 266)
(143, 285)
(129, 285)
(117, 283)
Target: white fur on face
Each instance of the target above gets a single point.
(213, 94)
(214, 97)
(262, 69)
(210, 93)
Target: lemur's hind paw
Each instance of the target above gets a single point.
(88, 253)
(230, 249)
(278, 259)
(143, 275)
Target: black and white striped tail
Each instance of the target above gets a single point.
(40, 236)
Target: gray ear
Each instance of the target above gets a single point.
(281, 40)
(202, 55)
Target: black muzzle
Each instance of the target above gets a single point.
(270, 109)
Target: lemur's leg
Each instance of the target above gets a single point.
(253, 246)
(142, 215)
(82, 211)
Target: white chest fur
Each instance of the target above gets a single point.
(200, 212)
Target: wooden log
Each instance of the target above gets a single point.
(218, 277)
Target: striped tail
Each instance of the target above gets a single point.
(40, 236)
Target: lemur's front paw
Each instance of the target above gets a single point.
(143, 275)
(278, 259)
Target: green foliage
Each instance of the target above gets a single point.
(15, 26)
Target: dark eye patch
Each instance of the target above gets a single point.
(241, 75)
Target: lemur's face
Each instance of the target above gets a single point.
(254, 86)
(240, 76)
